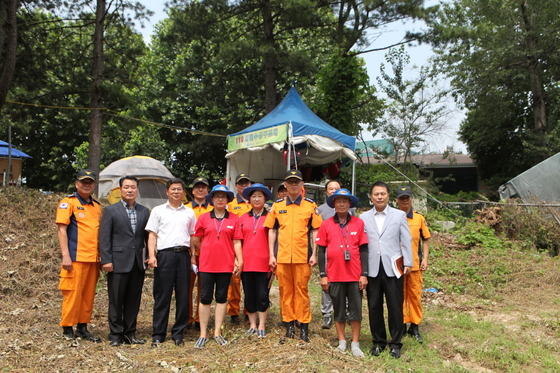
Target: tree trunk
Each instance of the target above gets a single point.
(96, 117)
(8, 42)
(537, 89)
(269, 57)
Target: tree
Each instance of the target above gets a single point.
(502, 57)
(51, 51)
(413, 111)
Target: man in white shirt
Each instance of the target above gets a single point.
(388, 237)
(169, 234)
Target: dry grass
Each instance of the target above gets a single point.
(525, 303)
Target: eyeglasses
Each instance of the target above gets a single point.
(220, 197)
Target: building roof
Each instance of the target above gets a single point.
(435, 160)
(4, 150)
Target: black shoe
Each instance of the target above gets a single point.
(115, 343)
(83, 333)
(297, 324)
(132, 340)
(234, 319)
(68, 332)
(304, 333)
(290, 330)
(376, 351)
(156, 343)
(178, 342)
(415, 333)
(396, 353)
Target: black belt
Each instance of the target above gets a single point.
(177, 249)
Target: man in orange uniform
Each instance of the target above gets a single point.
(199, 206)
(78, 217)
(412, 306)
(238, 206)
(290, 220)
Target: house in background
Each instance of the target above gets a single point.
(14, 158)
(458, 168)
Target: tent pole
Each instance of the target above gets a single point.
(354, 177)
(10, 153)
(289, 161)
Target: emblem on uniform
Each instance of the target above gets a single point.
(63, 205)
(317, 211)
(80, 208)
(282, 211)
(81, 215)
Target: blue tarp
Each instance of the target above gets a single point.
(15, 153)
(304, 121)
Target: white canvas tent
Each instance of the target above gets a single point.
(152, 175)
(259, 149)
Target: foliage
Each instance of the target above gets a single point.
(344, 89)
(414, 112)
(502, 59)
(476, 234)
(533, 227)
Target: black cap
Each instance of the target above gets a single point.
(86, 174)
(404, 191)
(199, 180)
(293, 174)
(281, 186)
(241, 177)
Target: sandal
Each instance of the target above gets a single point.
(201, 342)
(220, 340)
(261, 333)
(250, 332)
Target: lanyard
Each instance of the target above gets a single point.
(218, 229)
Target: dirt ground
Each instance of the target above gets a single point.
(30, 338)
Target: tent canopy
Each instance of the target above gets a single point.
(4, 149)
(152, 175)
(539, 181)
(317, 142)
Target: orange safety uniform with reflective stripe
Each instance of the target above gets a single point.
(412, 306)
(239, 207)
(293, 221)
(82, 219)
(198, 209)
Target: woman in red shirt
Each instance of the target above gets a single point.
(218, 238)
(256, 271)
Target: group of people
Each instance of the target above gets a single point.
(226, 239)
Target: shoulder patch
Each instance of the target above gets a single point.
(317, 212)
(279, 200)
(63, 206)
(96, 201)
(71, 196)
(419, 213)
(309, 200)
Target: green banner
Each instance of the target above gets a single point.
(258, 138)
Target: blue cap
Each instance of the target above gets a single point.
(342, 193)
(219, 188)
(253, 188)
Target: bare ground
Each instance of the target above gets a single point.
(30, 338)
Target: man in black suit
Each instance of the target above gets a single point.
(122, 241)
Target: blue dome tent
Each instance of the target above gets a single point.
(259, 149)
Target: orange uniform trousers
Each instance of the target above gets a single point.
(234, 296)
(78, 292)
(293, 280)
(412, 306)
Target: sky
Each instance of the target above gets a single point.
(392, 34)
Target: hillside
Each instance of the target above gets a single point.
(496, 310)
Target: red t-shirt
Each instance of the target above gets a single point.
(255, 243)
(216, 253)
(336, 240)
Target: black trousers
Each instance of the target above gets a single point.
(393, 290)
(255, 286)
(173, 271)
(125, 293)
